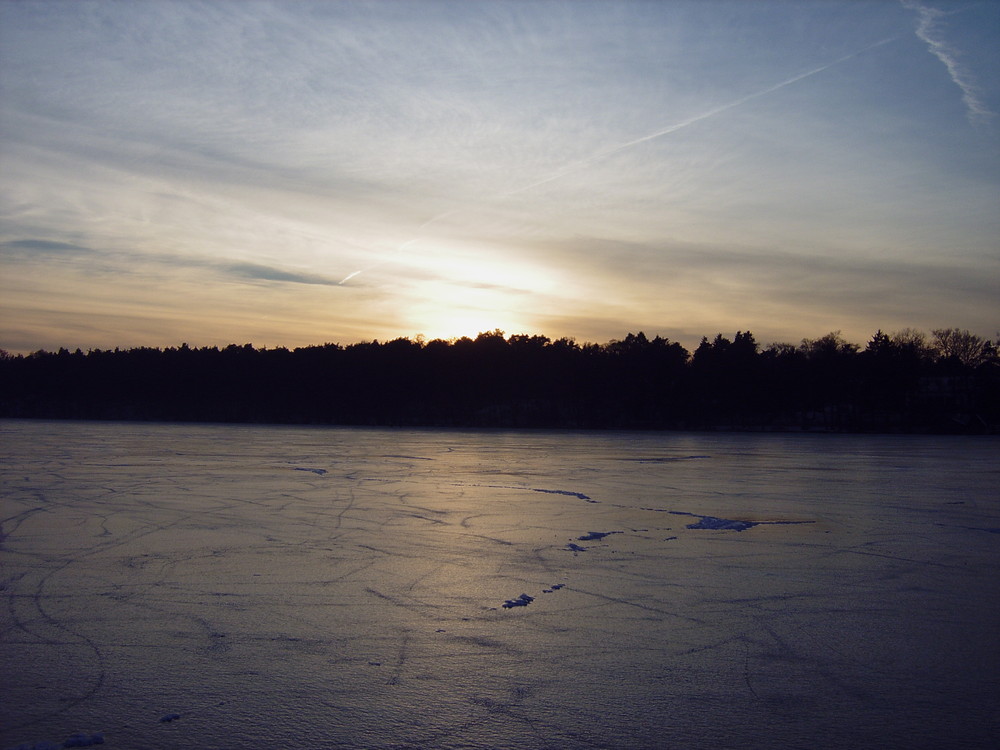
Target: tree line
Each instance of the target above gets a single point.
(905, 381)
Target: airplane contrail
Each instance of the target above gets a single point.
(696, 119)
(398, 249)
(927, 17)
(605, 153)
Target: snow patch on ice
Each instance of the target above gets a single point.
(592, 535)
(522, 601)
(579, 495)
(727, 524)
(569, 493)
(723, 524)
(525, 599)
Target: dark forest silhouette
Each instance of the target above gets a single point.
(903, 382)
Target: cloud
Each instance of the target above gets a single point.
(675, 127)
(608, 151)
(34, 248)
(664, 286)
(45, 251)
(269, 273)
(929, 31)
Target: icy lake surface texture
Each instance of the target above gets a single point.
(185, 586)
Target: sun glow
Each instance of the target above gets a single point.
(460, 323)
(479, 267)
(471, 292)
(467, 311)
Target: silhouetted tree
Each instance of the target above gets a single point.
(964, 347)
(528, 381)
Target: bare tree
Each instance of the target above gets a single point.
(968, 348)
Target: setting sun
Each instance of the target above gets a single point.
(469, 291)
(462, 311)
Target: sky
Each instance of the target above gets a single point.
(296, 173)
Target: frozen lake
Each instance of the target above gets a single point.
(192, 586)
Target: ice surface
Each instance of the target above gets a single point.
(77, 739)
(82, 739)
(342, 588)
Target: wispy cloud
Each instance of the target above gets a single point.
(929, 31)
(699, 286)
(612, 150)
(46, 251)
(34, 248)
(269, 273)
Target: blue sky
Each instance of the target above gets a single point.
(293, 173)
